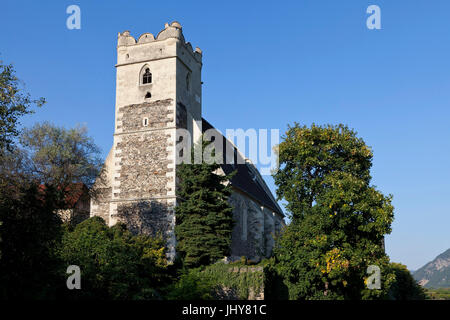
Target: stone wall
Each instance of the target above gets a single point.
(143, 166)
(254, 292)
(101, 192)
(158, 113)
(254, 230)
(235, 281)
(181, 116)
(144, 192)
(153, 217)
(139, 183)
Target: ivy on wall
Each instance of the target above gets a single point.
(235, 280)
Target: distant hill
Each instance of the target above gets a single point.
(435, 274)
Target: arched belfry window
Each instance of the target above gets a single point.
(147, 76)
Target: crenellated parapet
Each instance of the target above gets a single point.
(170, 31)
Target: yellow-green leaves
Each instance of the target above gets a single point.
(338, 219)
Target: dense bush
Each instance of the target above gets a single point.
(405, 287)
(30, 232)
(219, 281)
(191, 285)
(114, 264)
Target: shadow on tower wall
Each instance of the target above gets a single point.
(147, 217)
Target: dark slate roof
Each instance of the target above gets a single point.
(244, 179)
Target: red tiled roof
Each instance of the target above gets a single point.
(72, 193)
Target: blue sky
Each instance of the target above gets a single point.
(267, 64)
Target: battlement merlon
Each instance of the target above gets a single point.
(158, 47)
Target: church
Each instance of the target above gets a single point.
(159, 91)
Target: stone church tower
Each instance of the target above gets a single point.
(158, 89)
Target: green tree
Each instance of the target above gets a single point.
(405, 287)
(13, 105)
(31, 232)
(60, 156)
(191, 285)
(114, 263)
(338, 219)
(307, 156)
(204, 220)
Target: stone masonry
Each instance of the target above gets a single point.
(158, 89)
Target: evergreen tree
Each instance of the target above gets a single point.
(204, 219)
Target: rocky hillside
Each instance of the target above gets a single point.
(435, 274)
